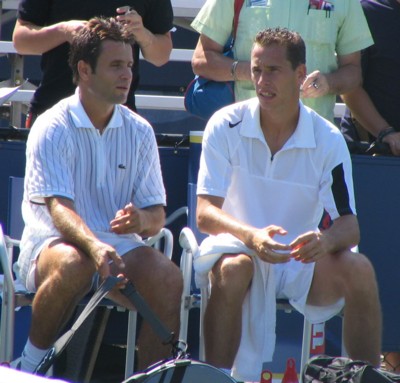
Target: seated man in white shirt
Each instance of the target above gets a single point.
(269, 166)
(93, 189)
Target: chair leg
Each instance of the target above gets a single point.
(130, 344)
(186, 270)
(203, 306)
(305, 348)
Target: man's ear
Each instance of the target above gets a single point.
(84, 69)
(301, 73)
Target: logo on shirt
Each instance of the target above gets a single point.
(121, 166)
(232, 125)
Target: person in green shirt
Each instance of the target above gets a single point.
(334, 33)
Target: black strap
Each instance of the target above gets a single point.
(63, 341)
(148, 314)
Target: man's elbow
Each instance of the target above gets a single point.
(356, 236)
(354, 229)
(201, 221)
(199, 65)
(18, 43)
(19, 37)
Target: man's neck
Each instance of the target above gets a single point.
(98, 113)
(277, 129)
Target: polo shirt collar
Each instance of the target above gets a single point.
(81, 119)
(303, 136)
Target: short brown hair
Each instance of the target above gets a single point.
(295, 46)
(87, 43)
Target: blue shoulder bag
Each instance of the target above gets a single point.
(203, 96)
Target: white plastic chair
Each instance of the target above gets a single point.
(15, 296)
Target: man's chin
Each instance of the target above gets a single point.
(121, 99)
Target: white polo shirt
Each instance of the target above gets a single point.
(311, 172)
(66, 156)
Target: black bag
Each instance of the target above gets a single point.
(181, 371)
(62, 342)
(327, 369)
(178, 369)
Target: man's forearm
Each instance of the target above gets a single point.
(155, 220)
(343, 234)
(70, 225)
(156, 48)
(364, 111)
(345, 79)
(30, 39)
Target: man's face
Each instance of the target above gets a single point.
(277, 84)
(113, 75)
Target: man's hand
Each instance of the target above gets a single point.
(315, 85)
(130, 219)
(102, 254)
(393, 140)
(134, 23)
(308, 247)
(263, 243)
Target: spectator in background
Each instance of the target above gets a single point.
(334, 32)
(373, 112)
(46, 27)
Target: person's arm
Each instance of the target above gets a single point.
(31, 39)
(363, 110)
(343, 234)
(75, 231)
(211, 219)
(209, 61)
(155, 48)
(346, 78)
(145, 222)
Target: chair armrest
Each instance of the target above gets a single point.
(165, 234)
(6, 245)
(188, 241)
(176, 214)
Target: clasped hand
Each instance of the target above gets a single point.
(306, 248)
(127, 220)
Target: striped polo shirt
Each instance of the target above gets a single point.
(67, 156)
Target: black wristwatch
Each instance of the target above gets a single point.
(385, 132)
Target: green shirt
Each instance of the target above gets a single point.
(342, 31)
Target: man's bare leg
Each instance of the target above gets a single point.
(230, 279)
(63, 276)
(159, 281)
(351, 275)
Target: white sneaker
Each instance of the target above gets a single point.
(16, 364)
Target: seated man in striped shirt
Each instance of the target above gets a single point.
(93, 189)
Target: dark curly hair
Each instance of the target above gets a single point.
(87, 43)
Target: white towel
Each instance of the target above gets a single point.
(259, 308)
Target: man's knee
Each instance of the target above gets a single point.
(233, 273)
(360, 264)
(358, 271)
(154, 271)
(67, 264)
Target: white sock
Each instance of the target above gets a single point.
(31, 357)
